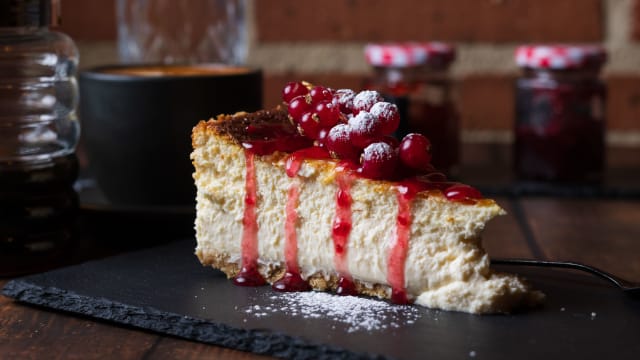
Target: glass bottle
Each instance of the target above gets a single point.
(560, 114)
(415, 76)
(38, 136)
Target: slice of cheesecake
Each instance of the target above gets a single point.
(273, 208)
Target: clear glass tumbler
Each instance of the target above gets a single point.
(182, 32)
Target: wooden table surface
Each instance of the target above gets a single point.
(604, 232)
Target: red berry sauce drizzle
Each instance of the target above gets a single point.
(355, 130)
(398, 254)
(291, 281)
(340, 233)
(249, 275)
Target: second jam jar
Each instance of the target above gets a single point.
(415, 77)
(560, 106)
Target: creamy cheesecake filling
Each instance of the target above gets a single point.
(438, 266)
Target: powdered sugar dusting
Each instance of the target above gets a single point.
(344, 97)
(357, 313)
(365, 99)
(340, 131)
(363, 123)
(384, 110)
(378, 150)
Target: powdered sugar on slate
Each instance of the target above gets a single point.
(358, 313)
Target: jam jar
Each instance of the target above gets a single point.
(560, 114)
(415, 76)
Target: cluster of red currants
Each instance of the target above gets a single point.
(357, 127)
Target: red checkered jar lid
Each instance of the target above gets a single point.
(409, 54)
(560, 57)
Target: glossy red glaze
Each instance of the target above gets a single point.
(249, 276)
(286, 143)
(462, 192)
(294, 161)
(291, 281)
(269, 138)
(399, 296)
(346, 286)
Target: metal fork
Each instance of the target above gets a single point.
(630, 288)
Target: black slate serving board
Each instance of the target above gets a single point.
(166, 290)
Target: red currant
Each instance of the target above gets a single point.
(309, 126)
(415, 151)
(320, 93)
(321, 139)
(328, 113)
(379, 161)
(299, 106)
(365, 99)
(292, 90)
(388, 115)
(339, 143)
(344, 99)
(363, 129)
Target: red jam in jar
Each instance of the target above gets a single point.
(415, 77)
(560, 106)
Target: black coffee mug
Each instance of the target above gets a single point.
(137, 119)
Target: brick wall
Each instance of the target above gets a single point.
(322, 41)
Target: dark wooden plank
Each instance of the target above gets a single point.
(31, 333)
(4, 299)
(173, 348)
(503, 237)
(603, 233)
